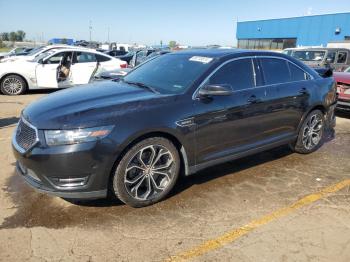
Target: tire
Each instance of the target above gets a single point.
(147, 172)
(311, 133)
(13, 85)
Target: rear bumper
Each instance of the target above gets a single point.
(343, 105)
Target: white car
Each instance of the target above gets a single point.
(58, 68)
(36, 52)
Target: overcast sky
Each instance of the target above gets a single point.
(192, 22)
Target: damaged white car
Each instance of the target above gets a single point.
(59, 68)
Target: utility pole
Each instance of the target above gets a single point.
(90, 29)
(108, 35)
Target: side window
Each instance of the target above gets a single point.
(275, 71)
(296, 74)
(342, 56)
(55, 59)
(83, 57)
(239, 74)
(102, 58)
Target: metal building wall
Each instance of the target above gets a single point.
(309, 30)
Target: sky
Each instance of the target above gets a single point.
(188, 22)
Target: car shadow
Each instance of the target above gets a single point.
(202, 177)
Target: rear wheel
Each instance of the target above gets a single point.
(13, 85)
(147, 172)
(310, 136)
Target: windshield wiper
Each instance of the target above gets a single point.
(142, 85)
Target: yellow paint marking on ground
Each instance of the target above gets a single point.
(237, 233)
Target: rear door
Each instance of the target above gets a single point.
(287, 94)
(83, 67)
(229, 124)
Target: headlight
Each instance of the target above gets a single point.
(75, 136)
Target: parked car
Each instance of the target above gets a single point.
(13, 51)
(140, 56)
(336, 58)
(343, 85)
(37, 52)
(56, 68)
(121, 54)
(187, 110)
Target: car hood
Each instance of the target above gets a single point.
(90, 105)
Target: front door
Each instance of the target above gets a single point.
(226, 125)
(54, 71)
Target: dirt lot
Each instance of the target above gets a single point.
(206, 206)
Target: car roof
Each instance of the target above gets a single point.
(322, 49)
(81, 50)
(220, 53)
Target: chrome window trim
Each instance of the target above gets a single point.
(14, 142)
(194, 96)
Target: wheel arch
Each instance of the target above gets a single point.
(320, 107)
(179, 146)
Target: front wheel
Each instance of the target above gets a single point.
(13, 85)
(147, 172)
(310, 136)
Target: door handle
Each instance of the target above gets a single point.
(253, 100)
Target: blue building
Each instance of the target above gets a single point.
(67, 41)
(317, 30)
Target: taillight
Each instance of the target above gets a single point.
(124, 65)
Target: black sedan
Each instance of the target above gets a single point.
(178, 113)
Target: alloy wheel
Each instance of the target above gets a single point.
(12, 85)
(312, 132)
(149, 172)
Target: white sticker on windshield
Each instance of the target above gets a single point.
(201, 59)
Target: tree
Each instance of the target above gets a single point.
(172, 44)
(20, 35)
(5, 36)
(13, 36)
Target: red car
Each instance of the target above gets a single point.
(343, 84)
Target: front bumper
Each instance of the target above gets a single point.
(79, 171)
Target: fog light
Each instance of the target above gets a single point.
(70, 182)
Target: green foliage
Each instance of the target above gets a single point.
(172, 44)
(13, 36)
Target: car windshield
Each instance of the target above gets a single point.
(43, 55)
(309, 55)
(170, 74)
(35, 50)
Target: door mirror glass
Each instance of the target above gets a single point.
(215, 90)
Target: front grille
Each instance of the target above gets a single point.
(26, 135)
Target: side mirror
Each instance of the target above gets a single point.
(41, 61)
(215, 90)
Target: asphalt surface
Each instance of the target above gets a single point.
(205, 206)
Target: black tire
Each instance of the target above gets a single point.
(123, 185)
(13, 85)
(304, 143)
